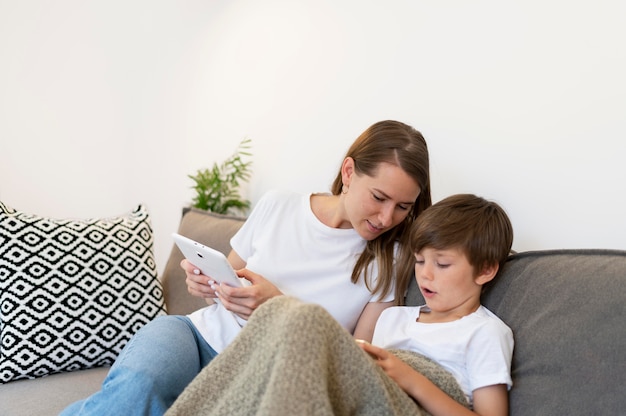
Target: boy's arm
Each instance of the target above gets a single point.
(491, 400)
(488, 401)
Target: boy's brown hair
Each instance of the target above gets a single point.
(479, 228)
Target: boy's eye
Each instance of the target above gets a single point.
(443, 266)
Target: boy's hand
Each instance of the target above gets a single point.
(394, 367)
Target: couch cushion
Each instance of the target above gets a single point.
(212, 230)
(72, 292)
(51, 394)
(566, 309)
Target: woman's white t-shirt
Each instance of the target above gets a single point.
(283, 241)
(477, 349)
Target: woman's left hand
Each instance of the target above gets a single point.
(244, 300)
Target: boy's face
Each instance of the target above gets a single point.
(448, 283)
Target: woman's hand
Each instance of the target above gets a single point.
(239, 300)
(198, 284)
(244, 300)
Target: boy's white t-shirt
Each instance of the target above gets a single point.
(477, 349)
(283, 241)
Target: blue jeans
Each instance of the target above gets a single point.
(156, 365)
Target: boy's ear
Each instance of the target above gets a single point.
(487, 274)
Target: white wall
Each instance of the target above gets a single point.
(107, 104)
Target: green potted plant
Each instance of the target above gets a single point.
(217, 188)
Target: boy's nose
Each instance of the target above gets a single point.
(424, 271)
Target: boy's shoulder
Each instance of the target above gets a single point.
(490, 321)
(485, 313)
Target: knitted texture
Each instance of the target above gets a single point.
(293, 358)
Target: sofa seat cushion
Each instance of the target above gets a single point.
(72, 292)
(51, 394)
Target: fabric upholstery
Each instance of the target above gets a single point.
(565, 307)
(48, 396)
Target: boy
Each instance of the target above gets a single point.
(459, 245)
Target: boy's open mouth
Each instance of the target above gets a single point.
(427, 291)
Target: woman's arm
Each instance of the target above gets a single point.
(367, 321)
(488, 401)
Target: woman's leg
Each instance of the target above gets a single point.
(156, 365)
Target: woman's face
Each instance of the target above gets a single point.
(375, 204)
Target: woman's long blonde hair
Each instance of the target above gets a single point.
(403, 146)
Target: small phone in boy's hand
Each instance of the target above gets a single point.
(209, 261)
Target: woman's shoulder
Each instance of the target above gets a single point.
(278, 197)
(279, 194)
(277, 203)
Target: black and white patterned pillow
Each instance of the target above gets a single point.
(72, 292)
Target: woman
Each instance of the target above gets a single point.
(336, 250)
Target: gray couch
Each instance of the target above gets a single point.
(566, 309)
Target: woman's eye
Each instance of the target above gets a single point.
(377, 197)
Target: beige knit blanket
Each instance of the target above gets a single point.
(294, 359)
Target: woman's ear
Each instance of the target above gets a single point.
(487, 274)
(347, 170)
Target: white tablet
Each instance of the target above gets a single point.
(210, 262)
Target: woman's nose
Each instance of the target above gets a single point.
(385, 216)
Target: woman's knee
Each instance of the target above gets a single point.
(160, 347)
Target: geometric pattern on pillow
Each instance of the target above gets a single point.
(73, 292)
